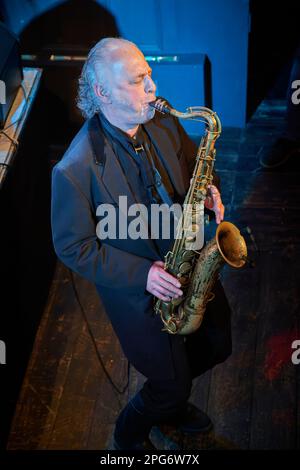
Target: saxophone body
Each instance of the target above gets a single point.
(195, 266)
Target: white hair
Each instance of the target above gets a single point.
(94, 71)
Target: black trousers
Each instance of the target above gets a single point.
(161, 400)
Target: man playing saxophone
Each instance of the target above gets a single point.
(126, 148)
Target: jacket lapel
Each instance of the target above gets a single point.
(112, 174)
(116, 184)
(167, 153)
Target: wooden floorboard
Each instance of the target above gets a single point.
(231, 387)
(274, 405)
(67, 402)
(45, 378)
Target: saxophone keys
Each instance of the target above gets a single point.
(187, 255)
(184, 280)
(176, 302)
(190, 239)
(184, 268)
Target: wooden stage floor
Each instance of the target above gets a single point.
(67, 402)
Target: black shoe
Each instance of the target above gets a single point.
(145, 445)
(133, 427)
(192, 419)
(278, 153)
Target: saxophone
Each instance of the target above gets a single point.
(197, 270)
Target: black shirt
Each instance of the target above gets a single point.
(138, 170)
(136, 165)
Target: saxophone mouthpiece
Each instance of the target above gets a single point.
(161, 106)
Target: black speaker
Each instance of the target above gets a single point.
(11, 74)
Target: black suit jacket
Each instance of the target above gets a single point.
(89, 174)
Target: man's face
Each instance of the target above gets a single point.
(131, 89)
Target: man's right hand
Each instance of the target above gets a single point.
(162, 284)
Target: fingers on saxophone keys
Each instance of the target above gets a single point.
(167, 294)
(213, 189)
(221, 213)
(169, 278)
(169, 289)
(160, 296)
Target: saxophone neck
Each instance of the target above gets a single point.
(194, 113)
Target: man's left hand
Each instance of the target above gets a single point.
(213, 202)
